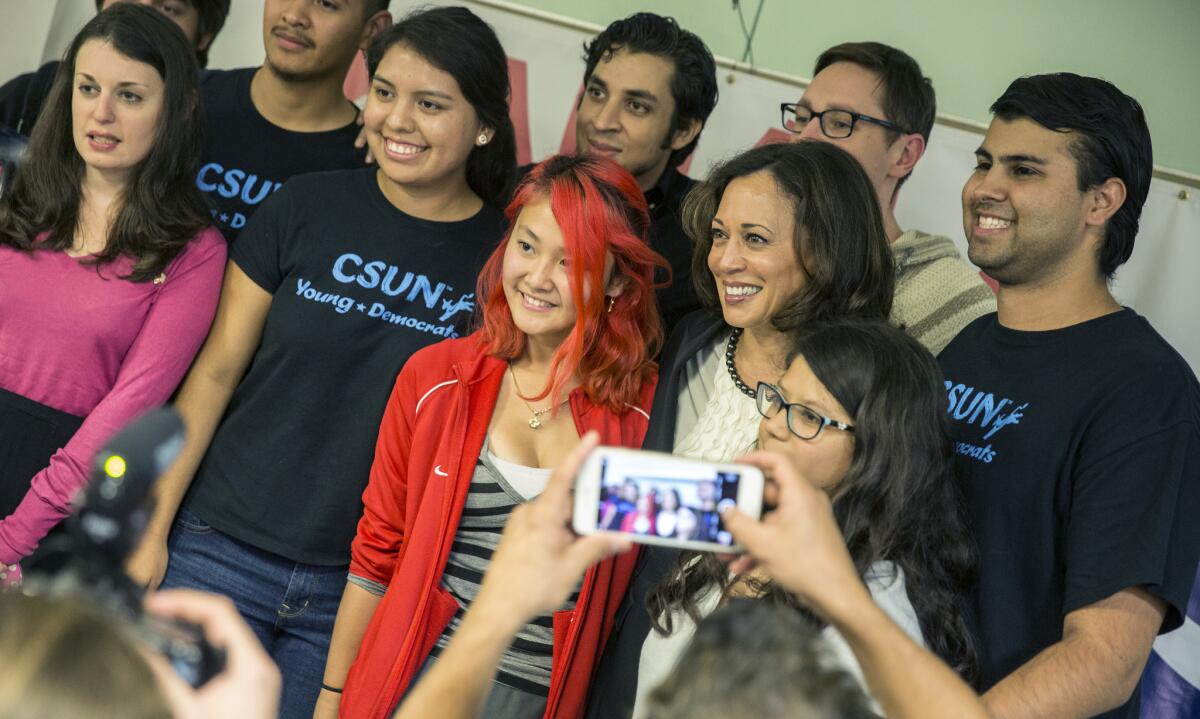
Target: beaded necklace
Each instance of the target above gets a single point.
(730, 350)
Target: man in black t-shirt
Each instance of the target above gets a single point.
(288, 117)
(1076, 426)
(649, 87)
(21, 98)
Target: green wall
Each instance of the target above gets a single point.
(972, 49)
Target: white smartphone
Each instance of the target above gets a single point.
(657, 498)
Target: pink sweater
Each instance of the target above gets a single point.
(99, 347)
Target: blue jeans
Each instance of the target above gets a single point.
(290, 606)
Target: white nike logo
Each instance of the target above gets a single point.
(438, 471)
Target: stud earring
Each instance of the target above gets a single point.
(482, 139)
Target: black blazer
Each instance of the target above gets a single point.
(614, 685)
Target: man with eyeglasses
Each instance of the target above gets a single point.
(872, 101)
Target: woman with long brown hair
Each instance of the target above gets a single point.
(109, 270)
(337, 279)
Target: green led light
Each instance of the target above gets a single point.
(114, 466)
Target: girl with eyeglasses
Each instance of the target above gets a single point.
(859, 414)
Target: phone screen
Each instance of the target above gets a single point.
(645, 495)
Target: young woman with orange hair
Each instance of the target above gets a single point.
(472, 430)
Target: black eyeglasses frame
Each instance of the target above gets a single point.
(785, 407)
(855, 117)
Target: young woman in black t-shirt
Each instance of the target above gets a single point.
(335, 281)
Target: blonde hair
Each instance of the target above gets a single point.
(63, 659)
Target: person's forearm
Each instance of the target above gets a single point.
(1073, 678)
(457, 685)
(906, 679)
(232, 340)
(354, 614)
(1095, 666)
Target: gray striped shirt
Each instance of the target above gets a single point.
(490, 501)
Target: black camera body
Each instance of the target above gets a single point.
(87, 561)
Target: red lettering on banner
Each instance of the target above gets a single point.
(683, 168)
(518, 108)
(354, 87)
(773, 136)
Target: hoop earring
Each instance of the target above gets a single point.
(611, 301)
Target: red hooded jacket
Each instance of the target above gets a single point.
(433, 429)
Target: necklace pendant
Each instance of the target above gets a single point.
(535, 423)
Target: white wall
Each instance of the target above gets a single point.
(35, 31)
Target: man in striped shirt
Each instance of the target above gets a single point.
(872, 101)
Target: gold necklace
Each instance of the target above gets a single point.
(537, 413)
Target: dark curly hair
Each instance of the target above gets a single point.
(694, 82)
(898, 501)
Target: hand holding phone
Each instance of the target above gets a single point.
(657, 498)
(534, 569)
(823, 573)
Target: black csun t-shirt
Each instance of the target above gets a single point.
(1079, 453)
(246, 157)
(357, 286)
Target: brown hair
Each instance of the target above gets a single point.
(160, 209)
(908, 97)
(897, 502)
